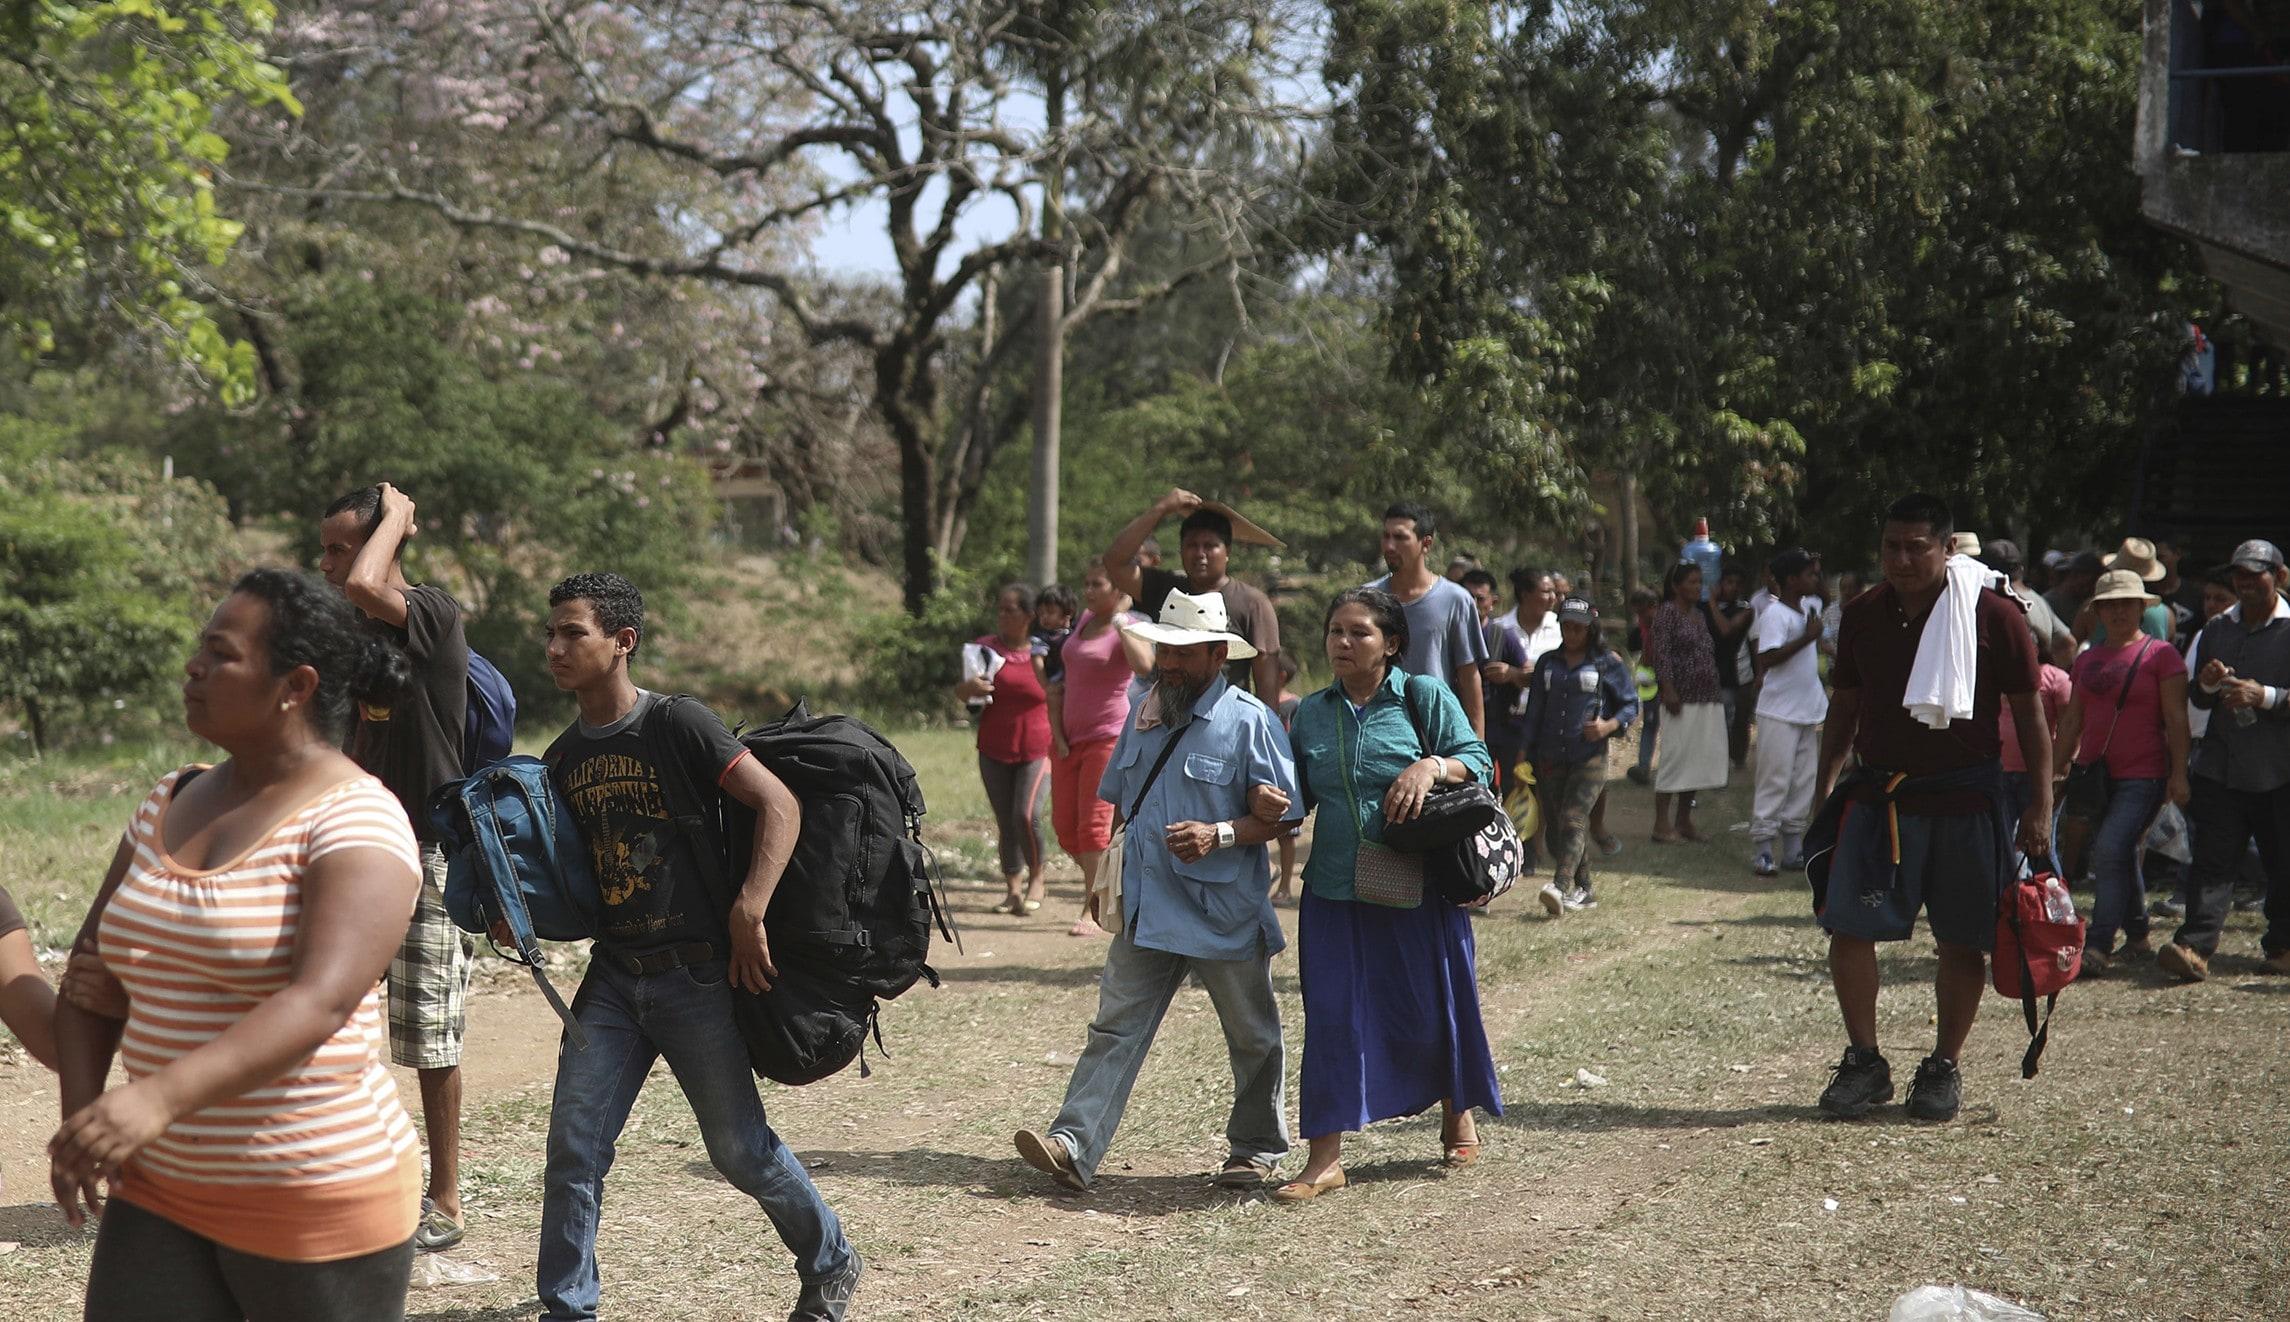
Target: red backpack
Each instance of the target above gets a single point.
(2037, 954)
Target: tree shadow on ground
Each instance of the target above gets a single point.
(1080, 975)
(1603, 1117)
(40, 1226)
(1891, 969)
(496, 1313)
(1805, 921)
(1011, 1180)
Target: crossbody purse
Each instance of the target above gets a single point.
(2085, 796)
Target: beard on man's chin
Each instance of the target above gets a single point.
(1173, 697)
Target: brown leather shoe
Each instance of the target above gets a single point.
(2277, 963)
(2182, 962)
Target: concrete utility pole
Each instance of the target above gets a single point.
(1049, 373)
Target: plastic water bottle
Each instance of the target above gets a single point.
(2059, 906)
(1704, 553)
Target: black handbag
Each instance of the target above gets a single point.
(1471, 852)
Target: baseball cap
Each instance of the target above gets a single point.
(1576, 610)
(2003, 555)
(2256, 555)
(2057, 559)
(1794, 560)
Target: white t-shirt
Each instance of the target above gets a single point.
(1792, 690)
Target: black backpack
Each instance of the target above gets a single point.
(850, 923)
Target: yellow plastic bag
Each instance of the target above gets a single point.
(1520, 801)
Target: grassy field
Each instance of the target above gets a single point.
(2141, 1176)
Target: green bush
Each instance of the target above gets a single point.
(910, 664)
(106, 572)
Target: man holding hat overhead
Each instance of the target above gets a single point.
(1205, 549)
(1194, 897)
(2240, 772)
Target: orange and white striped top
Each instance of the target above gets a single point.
(320, 1164)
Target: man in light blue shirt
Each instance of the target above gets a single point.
(1194, 898)
(1443, 636)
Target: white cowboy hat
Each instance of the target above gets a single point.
(1187, 619)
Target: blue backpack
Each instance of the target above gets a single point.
(491, 726)
(514, 856)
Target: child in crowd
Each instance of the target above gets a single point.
(1642, 604)
(1581, 695)
(1054, 611)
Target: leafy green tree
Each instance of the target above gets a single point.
(107, 213)
(1778, 260)
(517, 478)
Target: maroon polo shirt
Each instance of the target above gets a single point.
(1876, 647)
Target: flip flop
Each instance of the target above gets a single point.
(1086, 928)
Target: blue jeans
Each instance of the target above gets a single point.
(1649, 725)
(2119, 884)
(1132, 997)
(2016, 793)
(684, 1015)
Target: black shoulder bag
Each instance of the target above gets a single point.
(1471, 851)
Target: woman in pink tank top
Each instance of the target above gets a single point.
(1088, 707)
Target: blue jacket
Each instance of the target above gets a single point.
(1557, 706)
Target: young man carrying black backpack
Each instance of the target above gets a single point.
(665, 961)
(414, 746)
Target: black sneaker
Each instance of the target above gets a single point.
(1862, 1081)
(1936, 1091)
(829, 1300)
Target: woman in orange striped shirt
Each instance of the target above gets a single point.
(260, 1165)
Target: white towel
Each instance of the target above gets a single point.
(1940, 684)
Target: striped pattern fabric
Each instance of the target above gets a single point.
(322, 1163)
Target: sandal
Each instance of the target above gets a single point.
(1304, 1191)
(1459, 1151)
(1665, 837)
(1012, 905)
(1086, 928)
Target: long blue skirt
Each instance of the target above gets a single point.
(1391, 1014)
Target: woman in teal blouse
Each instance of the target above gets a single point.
(1391, 995)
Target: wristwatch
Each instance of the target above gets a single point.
(1225, 836)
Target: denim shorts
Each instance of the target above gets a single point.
(1948, 869)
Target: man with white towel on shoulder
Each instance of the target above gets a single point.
(1925, 660)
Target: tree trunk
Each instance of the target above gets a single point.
(37, 721)
(1629, 532)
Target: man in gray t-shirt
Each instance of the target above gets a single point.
(1443, 637)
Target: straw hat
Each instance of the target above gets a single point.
(1187, 619)
(2137, 555)
(2123, 585)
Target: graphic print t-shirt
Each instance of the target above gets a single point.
(646, 864)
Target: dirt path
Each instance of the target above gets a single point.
(1696, 1182)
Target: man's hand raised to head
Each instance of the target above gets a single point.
(398, 505)
(1178, 503)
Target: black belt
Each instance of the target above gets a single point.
(664, 961)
